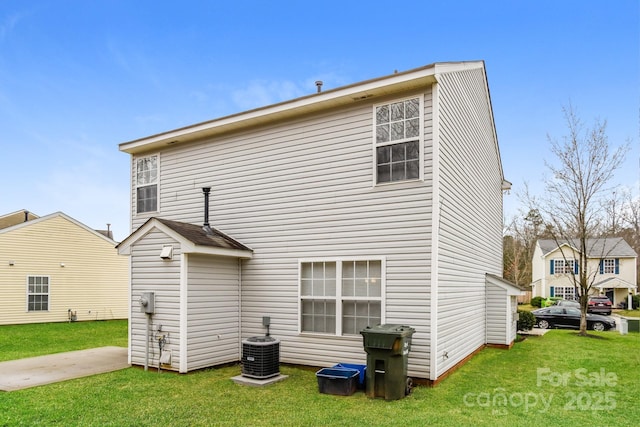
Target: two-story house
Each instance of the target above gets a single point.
(378, 202)
(611, 268)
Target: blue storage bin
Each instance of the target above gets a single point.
(339, 381)
(362, 369)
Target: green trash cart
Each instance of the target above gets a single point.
(387, 348)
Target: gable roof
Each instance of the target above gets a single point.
(316, 102)
(596, 248)
(193, 238)
(53, 215)
(13, 218)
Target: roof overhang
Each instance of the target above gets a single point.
(511, 288)
(186, 245)
(330, 99)
(614, 283)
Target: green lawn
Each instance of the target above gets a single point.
(628, 313)
(556, 378)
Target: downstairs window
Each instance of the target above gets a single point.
(340, 297)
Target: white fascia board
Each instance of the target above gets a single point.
(346, 95)
(189, 248)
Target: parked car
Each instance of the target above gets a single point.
(569, 317)
(600, 304)
(567, 303)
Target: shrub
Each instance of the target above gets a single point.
(526, 320)
(635, 301)
(536, 302)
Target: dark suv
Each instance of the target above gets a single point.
(600, 304)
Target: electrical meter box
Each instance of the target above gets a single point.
(147, 302)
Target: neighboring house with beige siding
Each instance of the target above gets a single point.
(53, 267)
(611, 268)
(378, 202)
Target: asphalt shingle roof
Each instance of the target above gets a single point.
(596, 248)
(198, 235)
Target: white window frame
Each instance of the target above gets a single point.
(566, 292)
(560, 266)
(609, 266)
(419, 139)
(339, 298)
(137, 185)
(29, 294)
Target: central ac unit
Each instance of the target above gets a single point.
(260, 357)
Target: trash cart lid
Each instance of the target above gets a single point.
(389, 328)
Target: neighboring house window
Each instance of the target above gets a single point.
(561, 266)
(610, 266)
(564, 292)
(147, 184)
(398, 136)
(37, 293)
(340, 297)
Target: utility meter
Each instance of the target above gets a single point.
(147, 302)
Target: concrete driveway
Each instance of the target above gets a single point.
(35, 371)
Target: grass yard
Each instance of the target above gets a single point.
(559, 378)
(628, 313)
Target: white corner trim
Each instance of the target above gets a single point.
(435, 237)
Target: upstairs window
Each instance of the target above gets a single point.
(37, 293)
(562, 266)
(610, 266)
(398, 140)
(147, 184)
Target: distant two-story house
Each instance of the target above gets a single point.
(378, 202)
(611, 268)
(55, 269)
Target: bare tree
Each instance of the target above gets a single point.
(582, 167)
(519, 241)
(631, 224)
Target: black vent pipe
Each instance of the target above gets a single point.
(206, 226)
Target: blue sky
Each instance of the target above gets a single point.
(79, 77)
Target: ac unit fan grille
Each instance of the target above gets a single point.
(260, 357)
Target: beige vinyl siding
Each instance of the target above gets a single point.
(302, 189)
(150, 273)
(213, 305)
(470, 204)
(497, 315)
(93, 282)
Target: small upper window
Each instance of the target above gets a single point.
(147, 184)
(608, 266)
(398, 140)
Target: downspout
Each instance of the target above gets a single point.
(183, 316)
(435, 236)
(239, 308)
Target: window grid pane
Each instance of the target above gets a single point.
(360, 298)
(609, 266)
(563, 267)
(398, 162)
(357, 315)
(37, 293)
